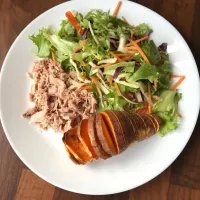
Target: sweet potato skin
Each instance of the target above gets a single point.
(104, 138)
(115, 129)
(94, 139)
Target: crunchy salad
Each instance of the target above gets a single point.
(117, 61)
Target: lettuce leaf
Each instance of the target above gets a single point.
(64, 46)
(42, 43)
(143, 30)
(155, 56)
(145, 72)
(166, 108)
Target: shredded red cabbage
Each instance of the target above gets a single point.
(163, 47)
(117, 72)
(85, 32)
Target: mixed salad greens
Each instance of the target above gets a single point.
(115, 60)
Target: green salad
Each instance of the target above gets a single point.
(117, 61)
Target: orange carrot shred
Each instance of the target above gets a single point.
(123, 54)
(142, 39)
(117, 8)
(175, 76)
(81, 46)
(128, 58)
(53, 56)
(177, 83)
(117, 89)
(95, 81)
(84, 64)
(114, 55)
(102, 66)
(86, 87)
(111, 80)
(140, 51)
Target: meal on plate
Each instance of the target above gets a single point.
(103, 83)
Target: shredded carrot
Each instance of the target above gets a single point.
(117, 89)
(123, 54)
(81, 46)
(141, 39)
(130, 94)
(128, 58)
(111, 80)
(130, 49)
(53, 56)
(117, 8)
(102, 66)
(133, 26)
(129, 44)
(95, 81)
(124, 19)
(179, 115)
(86, 87)
(84, 64)
(149, 96)
(177, 83)
(175, 76)
(114, 55)
(74, 22)
(155, 85)
(140, 51)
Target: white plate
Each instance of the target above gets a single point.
(44, 153)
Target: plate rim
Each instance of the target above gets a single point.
(100, 193)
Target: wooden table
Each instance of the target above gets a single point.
(180, 181)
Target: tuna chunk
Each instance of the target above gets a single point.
(59, 102)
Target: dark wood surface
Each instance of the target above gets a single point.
(181, 181)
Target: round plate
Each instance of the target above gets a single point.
(44, 153)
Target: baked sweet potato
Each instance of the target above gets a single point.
(104, 136)
(83, 136)
(115, 129)
(107, 134)
(94, 139)
(75, 146)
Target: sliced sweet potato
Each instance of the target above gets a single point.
(73, 159)
(126, 125)
(156, 121)
(135, 125)
(115, 129)
(104, 136)
(143, 127)
(94, 139)
(149, 124)
(83, 136)
(140, 126)
(75, 146)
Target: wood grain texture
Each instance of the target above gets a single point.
(180, 182)
(159, 186)
(32, 187)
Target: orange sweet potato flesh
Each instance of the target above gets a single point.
(75, 146)
(115, 130)
(85, 139)
(73, 159)
(104, 136)
(94, 139)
